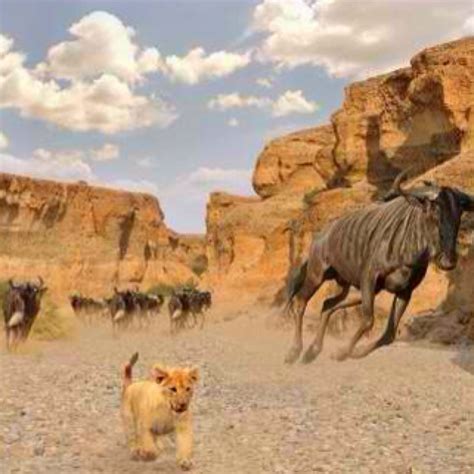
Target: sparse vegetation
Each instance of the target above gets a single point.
(3, 291)
(310, 195)
(199, 265)
(51, 323)
(162, 289)
(166, 289)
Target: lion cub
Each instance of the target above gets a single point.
(156, 407)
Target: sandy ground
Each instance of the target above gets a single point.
(403, 409)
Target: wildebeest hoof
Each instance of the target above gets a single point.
(310, 354)
(293, 355)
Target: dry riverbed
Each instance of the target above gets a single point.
(403, 409)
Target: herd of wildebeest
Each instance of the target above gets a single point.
(386, 246)
(124, 309)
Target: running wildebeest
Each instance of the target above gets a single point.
(146, 306)
(386, 246)
(21, 305)
(179, 307)
(86, 308)
(188, 303)
(122, 309)
(200, 302)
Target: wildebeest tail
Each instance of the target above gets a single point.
(127, 371)
(295, 283)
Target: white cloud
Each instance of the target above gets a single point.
(102, 45)
(107, 152)
(48, 167)
(266, 82)
(67, 165)
(4, 142)
(106, 104)
(138, 186)
(197, 66)
(293, 102)
(233, 122)
(147, 162)
(235, 100)
(59, 156)
(204, 176)
(290, 102)
(202, 181)
(358, 39)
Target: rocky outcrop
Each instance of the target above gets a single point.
(418, 118)
(88, 239)
(298, 162)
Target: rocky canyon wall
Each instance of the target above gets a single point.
(88, 239)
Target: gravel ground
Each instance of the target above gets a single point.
(403, 409)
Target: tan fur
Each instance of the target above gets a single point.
(156, 407)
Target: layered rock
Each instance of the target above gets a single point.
(88, 239)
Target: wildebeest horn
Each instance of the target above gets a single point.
(12, 283)
(40, 281)
(396, 188)
(397, 183)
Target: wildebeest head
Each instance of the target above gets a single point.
(30, 292)
(444, 206)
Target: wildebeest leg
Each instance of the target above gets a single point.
(310, 286)
(399, 305)
(330, 306)
(366, 321)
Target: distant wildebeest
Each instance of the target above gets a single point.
(179, 307)
(21, 305)
(86, 308)
(186, 304)
(200, 302)
(147, 306)
(386, 246)
(122, 308)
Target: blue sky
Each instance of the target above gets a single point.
(183, 104)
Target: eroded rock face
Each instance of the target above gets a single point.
(88, 239)
(420, 117)
(298, 162)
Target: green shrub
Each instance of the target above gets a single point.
(162, 289)
(310, 195)
(51, 323)
(4, 285)
(199, 265)
(165, 289)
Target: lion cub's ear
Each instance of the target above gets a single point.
(194, 374)
(158, 373)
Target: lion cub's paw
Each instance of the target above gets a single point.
(185, 464)
(140, 454)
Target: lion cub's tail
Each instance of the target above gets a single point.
(127, 371)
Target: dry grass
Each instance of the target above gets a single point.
(52, 323)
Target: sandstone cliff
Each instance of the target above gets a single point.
(420, 117)
(88, 239)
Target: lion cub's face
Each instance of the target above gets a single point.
(178, 384)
